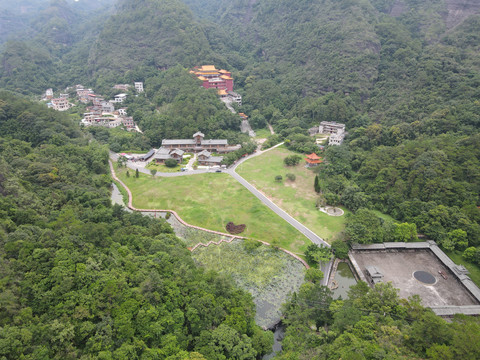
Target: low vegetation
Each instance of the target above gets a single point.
(211, 201)
(298, 197)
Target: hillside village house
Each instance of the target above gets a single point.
(198, 144)
(123, 87)
(60, 104)
(120, 98)
(49, 94)
(139, 86)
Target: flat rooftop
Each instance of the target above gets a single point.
(398, 267)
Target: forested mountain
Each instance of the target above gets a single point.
(52, 49)
(154, 33)
(84, 280)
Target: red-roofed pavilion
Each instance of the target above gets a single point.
(313, 159)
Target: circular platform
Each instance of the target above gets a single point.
(424, 277)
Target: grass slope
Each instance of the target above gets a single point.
(298, 197)
(212, 200)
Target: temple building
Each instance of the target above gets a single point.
(213, 78)
(198, 144)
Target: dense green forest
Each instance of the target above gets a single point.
(83, 279)
(372, 324)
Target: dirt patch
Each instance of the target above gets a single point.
(235, 229)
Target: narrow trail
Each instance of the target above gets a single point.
(131, 207)
(271, 129)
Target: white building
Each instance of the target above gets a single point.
(120, 98)
(122, 111)
(235, 97)
(334, 129)
(49, 94)
(139, 86)
(107, 107)
(331, 127)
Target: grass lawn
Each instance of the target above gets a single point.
(211, 200)
(295, 197)
(472, 268)
(384, 216)
(262, 133)
(163, 168)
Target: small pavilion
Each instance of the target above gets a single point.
(313, 160)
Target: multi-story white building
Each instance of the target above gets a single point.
(336, 131)
(139, 86)
(49, 94)
(120, 97)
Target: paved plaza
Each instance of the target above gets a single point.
(398, 267)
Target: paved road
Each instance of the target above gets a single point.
(231, 171)
(277, 210)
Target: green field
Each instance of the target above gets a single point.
(295, 197)
(212, 200)
(262, 133)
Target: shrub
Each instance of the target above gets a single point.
(167, 215)
(171, 163)
(292, 160)
(291, 177)
(340, 249)
(278, 178)
(250, 245)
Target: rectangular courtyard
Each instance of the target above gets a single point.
(398, 266)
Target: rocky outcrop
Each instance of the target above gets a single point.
(459, 10)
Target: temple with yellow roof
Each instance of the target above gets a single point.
(214, 79)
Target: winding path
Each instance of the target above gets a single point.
(130, 206)
(326, 268)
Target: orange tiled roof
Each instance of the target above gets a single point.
(313, 156)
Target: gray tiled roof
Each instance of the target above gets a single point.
(179, 142)
(177, 151)
(205, 152)
(162, 156)
(214, 142)
(199, 133)
(213, 159)
(163, 151)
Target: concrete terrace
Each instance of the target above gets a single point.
(398, 261)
